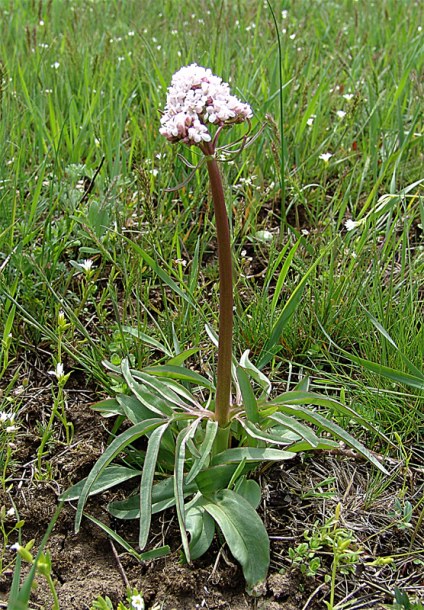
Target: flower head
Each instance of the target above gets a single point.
(195, 99)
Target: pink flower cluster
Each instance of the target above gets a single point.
(196, 98)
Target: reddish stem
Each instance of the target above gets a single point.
(223, 384)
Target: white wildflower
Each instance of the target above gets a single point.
(326, 157)
(348, 96)
(59, 371)
(11, 512)
(56, 65)
(87, 265)
(310, 121)
(341, 114)
(137, 602)
(196, 98)
(352, 224)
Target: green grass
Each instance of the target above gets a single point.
(82, 84)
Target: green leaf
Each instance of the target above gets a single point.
(254, 373)
(111, 476)
(249, 401)
(161, 387)
(250, 454)
(250, 490)
(165, 277)
(269, 437)
(180, 447)
(324, 443)
(182, 357)
(336, 431)
(272, 345)
(134, 332)
(133, 409)
(150, 400)
(300, 397)
(243, 531)
(108, 407)
(218, 477)
(181, 373)
(117, 445)
(204, 450)
(153, 554)
(201, 528)
(147, 483)
(162, 498)
(297, 427)
(415, 380)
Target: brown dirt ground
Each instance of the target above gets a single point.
(294, 498)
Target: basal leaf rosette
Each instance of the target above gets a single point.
(197, 99)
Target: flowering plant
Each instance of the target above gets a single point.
(205, 437)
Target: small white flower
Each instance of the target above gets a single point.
(348, 96)
(326, 157)
(11, 512)
(131, 33)
(56, 65)
(15, 547)
(341, 114)
(41, 23)
(137, 602)
(310, 121)
(59, 372)
(10, 429)
(87, 265)
(352, 224)
(284, 14)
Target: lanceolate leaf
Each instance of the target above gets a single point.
(117, 445)
(181, 373)
(146, 339)
(249, 400)
(300, 397)
(268, 436)
(250, 454)
(162, 498)
(329, 426)
(303, 431)
(253, 372)
(205, 450)
(111, 476)
(159, 386)
(108, 407)
(150, 400)
(147, 483)
(243, 531)
(180, 447)
(133, 409)
(153, 554)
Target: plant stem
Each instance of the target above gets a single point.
(223, 384)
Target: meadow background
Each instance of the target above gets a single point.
(84, 173)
